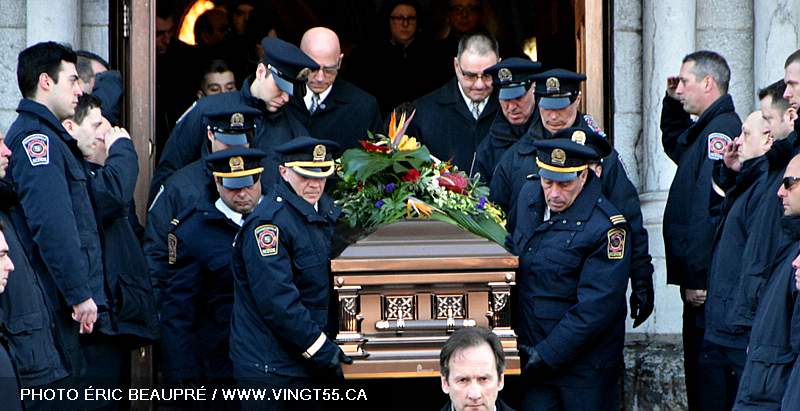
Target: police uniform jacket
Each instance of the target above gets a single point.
(26, 319)
(770, 355)
(55, 220)
(184, 189)
(444, 123)
(344, 116)
(133, 311)
(501, 136)
(197, 304)
(730, 239)
(688, 228)
(791, 398)
(572, 277)
(282, 284)
(187, 139)
(519, 162)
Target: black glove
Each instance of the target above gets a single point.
(642, 300)
(534, 360)
(330, 357)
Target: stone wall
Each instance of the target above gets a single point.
(81, 23)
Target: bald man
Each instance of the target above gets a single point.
(726, 336)
(332, 107)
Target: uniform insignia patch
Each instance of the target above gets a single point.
(716, 145)
(37, 147)
(593, 125)
(558, 156)
(616, 244)
(267, 239)
(172, 245)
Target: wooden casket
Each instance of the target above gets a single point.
(403, 289)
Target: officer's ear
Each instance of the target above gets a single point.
(579, 98)
(45, 81)
(445, 385)
(261, 71)
(70, 125)
(210, 135)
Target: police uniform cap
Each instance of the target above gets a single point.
(232, 124)
(562, 158)
(237, 167)
(594, 140)
(310, 157)
(513, 76)
(287, 63)
(557, 88)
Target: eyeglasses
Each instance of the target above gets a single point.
(328, 71)
(473, 77)
(465, 9)
(789, 182)
(403, 19)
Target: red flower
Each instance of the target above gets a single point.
(411, 176)
(378, 148)
(456, 183)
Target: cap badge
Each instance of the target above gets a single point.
(558, 156)
(237, 120)
(553, 85)
(579, 137)
(319, 152)
(236, 163)
(504, 74)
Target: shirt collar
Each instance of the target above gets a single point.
(468, 101)
(309, 94)
(237, 218)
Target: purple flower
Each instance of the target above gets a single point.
(481, 204)
(389, 187)
(379, 204)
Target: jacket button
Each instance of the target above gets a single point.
(578, 223)
(563, 221)
(278, 199)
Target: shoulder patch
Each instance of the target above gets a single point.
(717, 142)
(37, 147)
(172, 245)
(593, 125)
(616, 243)
(267, 239)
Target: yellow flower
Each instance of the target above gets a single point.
(422, 209)
(408, 143)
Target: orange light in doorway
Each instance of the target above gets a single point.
(529, 48)
(199, 7)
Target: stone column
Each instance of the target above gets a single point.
(628, 86)
(777, 34)
(12, 41)
(726, 26)
(669, 34)
(56, 20)
(94, 28)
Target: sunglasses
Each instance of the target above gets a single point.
(789, 182)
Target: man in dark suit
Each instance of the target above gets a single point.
(333, 107)
(452, 120)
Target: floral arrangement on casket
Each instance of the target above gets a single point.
(394, 177)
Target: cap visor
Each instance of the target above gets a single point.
(283, 84)
(552, 175)
(511, 93)
(237, 182)
(231, 139)
(314, 172)
(554, 103)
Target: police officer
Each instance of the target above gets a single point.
(559, 97)
(226, 126)
(769, 351)
(199, 296)
(55, 219)
(26, 316)
(452, 120)
(573, 273)
(282, 69)
(701, 89)
(512, 77)
(282, 279)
